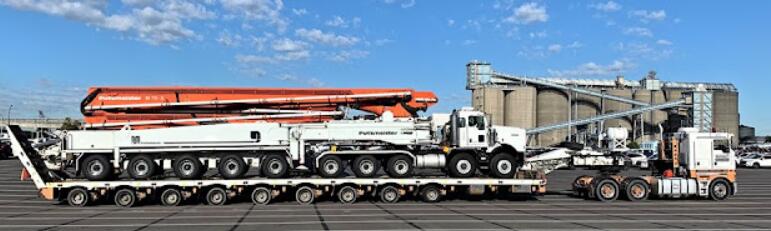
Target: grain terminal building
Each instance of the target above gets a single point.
(535, 102)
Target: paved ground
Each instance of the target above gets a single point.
(20, 209)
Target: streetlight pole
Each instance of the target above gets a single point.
(9, 114)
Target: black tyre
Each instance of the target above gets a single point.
(142, 167)
(188, 167)
(430, 194)
(97, 167)
(636, 190)
(125, 198)
(347, 195)
(261, 196)
(78, 197)
(216, 196)
(232, 167)
(171, 197)
(275, 166)
(719, 190)
(305, 195)
(756, 165)
(399, 166)
(606, 190)
(389, 194)
(365, 166)
(503, 165)
(331, 166)
(462, 165)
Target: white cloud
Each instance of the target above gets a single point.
(288, 45)
(469, 42)
(336, 21)
(402, 3)
(594, 69)
(263, 10)
(646, 16)
(450, 22)
(381, 42)
(639, 31)
(254, 59)
(537, 52)
(554, 48)
(229, 40)
(643, 50)
(539, 34)
(528, 13)
(664, 42)
(609, 6)
(300, 12)
(318, 36)
(155, 24)
(341, 22)
(345, 56)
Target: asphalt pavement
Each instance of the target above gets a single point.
(21, 209)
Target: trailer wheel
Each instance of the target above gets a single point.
(141, 167)
(232, 166)
(305, 195)
(125, 198)
(719, 190)
(78, 197)
(430, 194)
(275, 166)
(97, 167)
(637, 190)
(399, 166)
(462, 165)
(331, 166)
(606, 190)
(216, 196)
(261, 196)
(389, 194)
(502, 165)
(171, 197)
(365, 166)
(347, 195)
(188, 167)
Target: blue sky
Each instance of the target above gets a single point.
(52, 50)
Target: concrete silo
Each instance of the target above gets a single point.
(551, 107)
(520, 107)
(725, 113)
(490, 101)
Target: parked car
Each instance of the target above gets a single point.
(756, 161)
(637, 159)
(741, 156)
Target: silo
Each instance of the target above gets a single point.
(725, 113)
(490, 101)
(652, 119)
(645, 97)
(551, 107)
(520, 107)
(659, 116)
(615, 106)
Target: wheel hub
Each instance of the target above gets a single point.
(504, 166)
(366, 166)
(401, 167)
(96, 168)
(274, 166)
(187, 167)
(463, 166)
(331, 166)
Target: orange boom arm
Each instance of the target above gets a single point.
(150, 107)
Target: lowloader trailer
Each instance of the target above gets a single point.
(693, 164)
